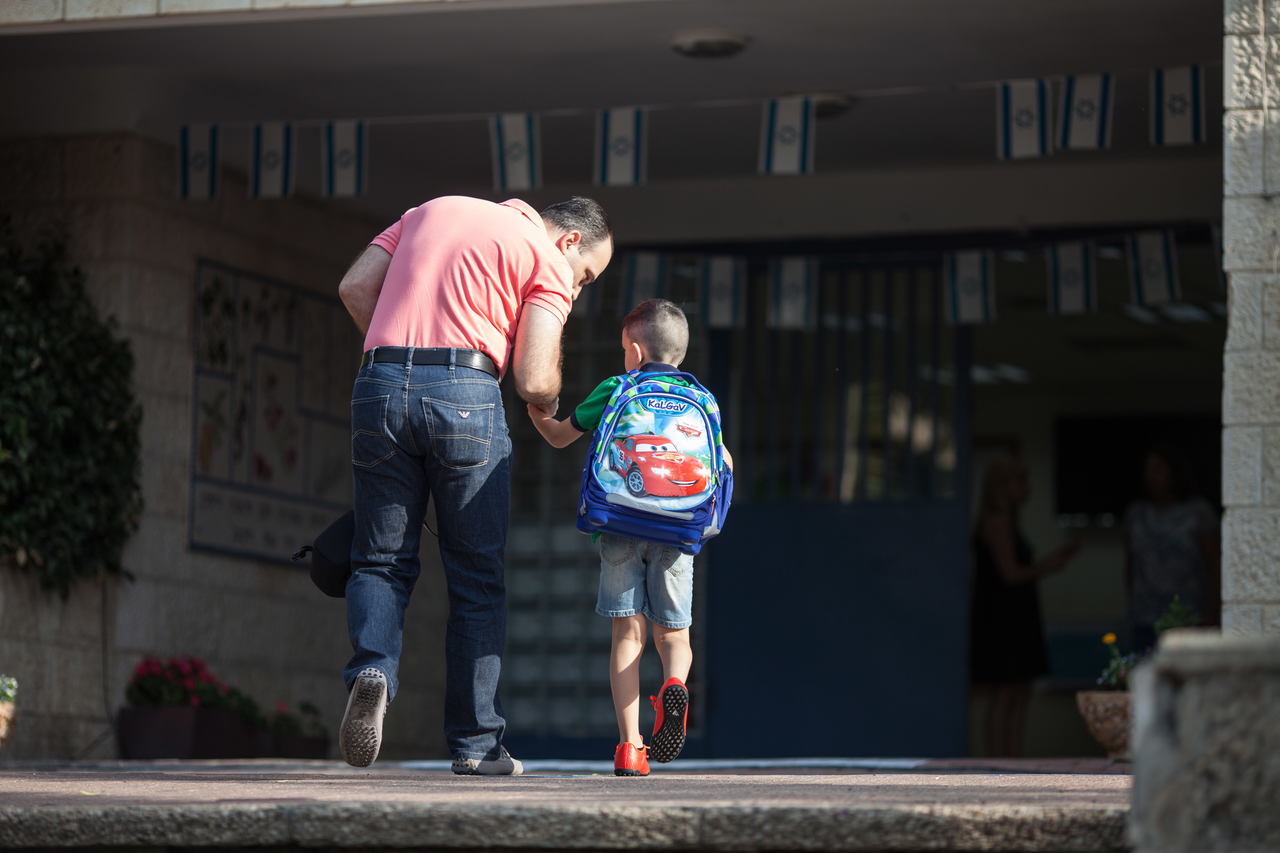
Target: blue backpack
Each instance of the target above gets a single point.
(655, 469)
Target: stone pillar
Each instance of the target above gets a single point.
(1206, 745)
(1251, 258)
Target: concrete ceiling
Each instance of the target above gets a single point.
(916, 71)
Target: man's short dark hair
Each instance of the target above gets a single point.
(660, 327)
(584, 215)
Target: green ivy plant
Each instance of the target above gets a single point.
(8, 689)
(70, 495)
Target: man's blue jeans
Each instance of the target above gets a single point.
(440, 431)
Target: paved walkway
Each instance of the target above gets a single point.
(826, 804)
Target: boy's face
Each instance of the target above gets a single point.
(632, 353)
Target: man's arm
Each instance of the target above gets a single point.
(536, 362)
(361, 285)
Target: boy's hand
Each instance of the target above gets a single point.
(546, 410)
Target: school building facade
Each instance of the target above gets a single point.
(863, 387)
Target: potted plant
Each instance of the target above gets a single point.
(1107, 711)
(300, 734)
(8, 704)
(178, 709)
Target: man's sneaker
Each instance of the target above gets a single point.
(671, 709)
(360, 737)
(630, 760)
(503, 765)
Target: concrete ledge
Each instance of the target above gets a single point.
(452, 826)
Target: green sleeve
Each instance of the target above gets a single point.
(586, 417)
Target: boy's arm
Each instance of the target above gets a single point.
(557, 433)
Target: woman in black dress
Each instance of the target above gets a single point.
(1007, 650)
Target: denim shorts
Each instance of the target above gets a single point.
(638, 577)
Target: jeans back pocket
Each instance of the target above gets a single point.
(461, 435)
(369, 441)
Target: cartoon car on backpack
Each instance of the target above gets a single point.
(651, 465)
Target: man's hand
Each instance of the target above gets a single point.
(536, 361)
(544, 410)
(362, 283)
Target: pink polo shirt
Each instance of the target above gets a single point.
(461, 269)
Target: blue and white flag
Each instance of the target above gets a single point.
(1177, 106)
(620, 147)
(1085, 121)
(793, 293)
(1022, 119)
(516, 160)
(724, 291)
(1153, 268)
(786, 137)
(271, 171)
(198, 161)
(1072, 278)
(971, 296)
(345, 158)
(644, 277)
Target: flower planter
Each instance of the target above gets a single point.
(184, 732)
(8, 711)
(1107, 716)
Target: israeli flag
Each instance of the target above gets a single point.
(644, 277)
(345, 158)
(786, 137)
(271, 173)
(198, 161)
(1177, 106)
(1153, 268)
(1086, 112)
(793, 293)
(1023, 119)
(971, 294)
(1072, 278)
(723, 290)
(620, 147)
(516, 161)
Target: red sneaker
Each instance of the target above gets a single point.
(671, 715)
(630, 760)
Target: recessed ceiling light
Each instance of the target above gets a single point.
(708, 43)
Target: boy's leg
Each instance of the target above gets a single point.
(624, 675)
(675, 651)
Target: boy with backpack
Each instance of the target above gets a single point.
(657, 483)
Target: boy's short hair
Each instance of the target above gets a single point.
(660, 327)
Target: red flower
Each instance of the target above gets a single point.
(189, 683)
(184, 667)
(282, 708)
(198, 665)
(195, 700)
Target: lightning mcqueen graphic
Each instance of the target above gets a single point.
(651, 465)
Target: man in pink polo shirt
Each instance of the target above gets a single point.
(450, 298)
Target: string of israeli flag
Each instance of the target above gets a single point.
(1026, 126)
(968, 283)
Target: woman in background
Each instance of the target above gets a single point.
(1171, 547)
(1007, 650)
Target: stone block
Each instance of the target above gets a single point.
(1244, 319)
(296, 4)
(166, 484)
(183, 7)
(1241, 620)
(1243, 150)
(30, 11)
(1207, 744)
(1271, 466)
(88, 10)
(1270, 310)
(1251, 555)
(1251, 387)
(1242, 17)
(1271, 162)
(1244, 82)
(162, 365)
(1271, 619)
(100, 167)
(1242, 466)
(1251, 234)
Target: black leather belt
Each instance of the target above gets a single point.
(431, 355)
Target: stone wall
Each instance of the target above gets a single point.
(260, 626)
(1251, 389)
(1207, 745)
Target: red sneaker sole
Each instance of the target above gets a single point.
(669, 739)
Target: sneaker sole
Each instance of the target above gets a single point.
(620, 772)
(361, 736)
(669, 740)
